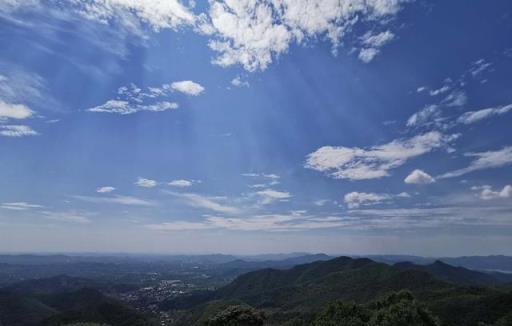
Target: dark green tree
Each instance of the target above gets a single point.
(398, 309)
(343, 314)
(237, 316)
(401, 309)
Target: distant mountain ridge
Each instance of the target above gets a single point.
(498, 263)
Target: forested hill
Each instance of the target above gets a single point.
(64, 300)
(305, 289)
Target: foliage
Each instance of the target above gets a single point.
(401, 309)
(398, 309)
(343, 314)
(240, 315)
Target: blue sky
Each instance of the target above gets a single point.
(251, 126)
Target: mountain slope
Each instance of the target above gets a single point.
(305, 289)
(458, 275)
(61, 300)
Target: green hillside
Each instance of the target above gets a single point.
(306, 289)
(62, 301)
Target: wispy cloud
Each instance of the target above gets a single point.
(483, 161)
(443, 89)
(467, 214)
(268, 196)
(239, 82)
(372, 44)
(132, 99)
(320, 202)
(118, 199)
(209, 203)
(294, 221)
(132, 16)
(476, 116)
(67, 217)
(356, 163)
(429, 115)
(455, 98)
(17, 131)
(19, 206)
(124, 107)
(479, 66)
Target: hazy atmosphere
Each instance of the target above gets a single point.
(245, 127)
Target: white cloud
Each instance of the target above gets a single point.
(14, 111)
(356, 163)
(258, 185)
(377, 40)
(19, 206)
(271, 176)
(440, 90)
(188, 87)
(252, 33)
(17, 131)
(488, 194)
(8, 5)
(320, 202)
(419, 177)
(475, 116)
(132, 99)
(24, 90)
(145, 183)
(367, 55)
(421, 89)
(403, 195)
(106, 189)
(134, 14)
(274, 179)
(238, 82)
(426, 116)
(122, 200)
(456, 98)
(269, 195)
(372, 44)
(294, 221)
(200, 201)
(181, 183)
(484, 160)
(250, 174)
(479, 67)
(355, 199)
(124, 107)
